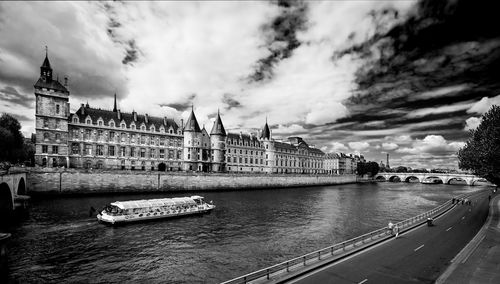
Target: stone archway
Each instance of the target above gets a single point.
(410, 178)
(380, 178)
(21, 187)
(395, 179)
(456, 180)
(6, 203)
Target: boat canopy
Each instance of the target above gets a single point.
(154, 203)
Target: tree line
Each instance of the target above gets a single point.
(14, 149)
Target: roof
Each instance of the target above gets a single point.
(51, 84)
(128, 118)
(192, 123)
(46, 62)
(218, 128)
(147, 203)
(266, 133)
(244, 137)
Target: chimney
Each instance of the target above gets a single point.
(135, 115)
(83, 109)
(182, 124)
(146, 118)
(66, 81)
(165, 121)
(119, 114)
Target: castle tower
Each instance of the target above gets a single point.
(218, 143)
(269, 148)
(192, 144)
(51, 119)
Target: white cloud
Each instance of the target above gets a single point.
(338, 147)
(472, 123)
(359, 146)
(436, 110)
(432, 144)
(441, 92)
(390, 146)
(484, 105)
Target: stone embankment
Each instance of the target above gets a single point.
(69, 181)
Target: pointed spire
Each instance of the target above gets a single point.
(114, 107)
(218, 128)
(192, 123)
(46, 62)
(266, 133)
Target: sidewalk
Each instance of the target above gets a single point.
(479, 261)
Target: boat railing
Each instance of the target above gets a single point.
(340, 249)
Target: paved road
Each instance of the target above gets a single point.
(417, 256)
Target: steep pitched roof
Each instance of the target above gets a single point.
(266, 133)
(218, 128)
(192, 123)
(128, 118)
(52, 84)
(46, 62)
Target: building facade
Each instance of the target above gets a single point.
(111, 139)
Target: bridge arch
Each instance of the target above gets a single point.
(449, 180)
(6, 201)
(21, 187)
(432, 179)
(380, 178)
(408, 178)
(395, 179)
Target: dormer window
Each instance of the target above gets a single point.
(172, 132)
(152, 129)
(111, 124)
(162, 130)
(88, 121)
(132, 126)
(75, 119)
(143, 128)
(99, 122)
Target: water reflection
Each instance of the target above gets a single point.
(247, 231)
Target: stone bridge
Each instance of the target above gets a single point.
(445, 178)
(13, 191)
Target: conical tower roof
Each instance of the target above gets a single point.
(266, 133)
(192, 123)
(218, 128)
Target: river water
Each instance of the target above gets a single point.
(249, 230)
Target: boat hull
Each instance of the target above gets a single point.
(116, 220)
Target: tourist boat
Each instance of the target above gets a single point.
(139, 210)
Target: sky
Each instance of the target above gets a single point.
(407, 78)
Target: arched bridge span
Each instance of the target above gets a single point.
(428, 177)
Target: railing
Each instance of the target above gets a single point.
(339, 249)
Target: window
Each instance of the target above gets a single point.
(46, 136)
(88, 149)
(55, 149)
(123, 126)
(162, 153)
(123, 137)
(143, 127)
(58, 136)
(122, 151)
(45, 122)
(75, 148)
(171, 154)
(152, 153)
(99, 134)
(87, 134)
(99, 150)
(132, 126)
(132, 138)
(75, 133)
(75, 120)
(143, 153)
(234, 160)
(99, 122)
(162, 141)
(45, 148)
(152, 140)
(111, 124)
(152, 129)
(111, 151)
(57, 124)
(57, 109)
(88, 121)
(132, 152)
(143, 139)
(111, 135)
(179, 153)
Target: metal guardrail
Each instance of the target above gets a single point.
(338, 249)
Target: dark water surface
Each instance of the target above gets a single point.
(248, 230)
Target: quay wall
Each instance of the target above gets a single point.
(73, 181)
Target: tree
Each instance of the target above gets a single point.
(361, 168)
(370, 168)
(11, 139)
(400, 169)
(481, 153)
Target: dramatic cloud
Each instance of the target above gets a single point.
(484, 105)
(359, 146)
(432, 144)
(472, 123)
(390, 146)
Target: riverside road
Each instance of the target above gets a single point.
(417, 256)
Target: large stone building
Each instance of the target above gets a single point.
(110, 139)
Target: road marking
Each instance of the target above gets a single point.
(363, 281)
(418, 248)
(448, 229)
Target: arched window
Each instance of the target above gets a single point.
(75, 119)
(171, 131)
(88, 121)
(132, 126)
(46, 136)
(152, 128)
(111, 124)
(143, 127)
(123, 126)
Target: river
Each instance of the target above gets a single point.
(249, 230)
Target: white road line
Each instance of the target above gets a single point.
(418, 248)
(363, 281)
(448, 229)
